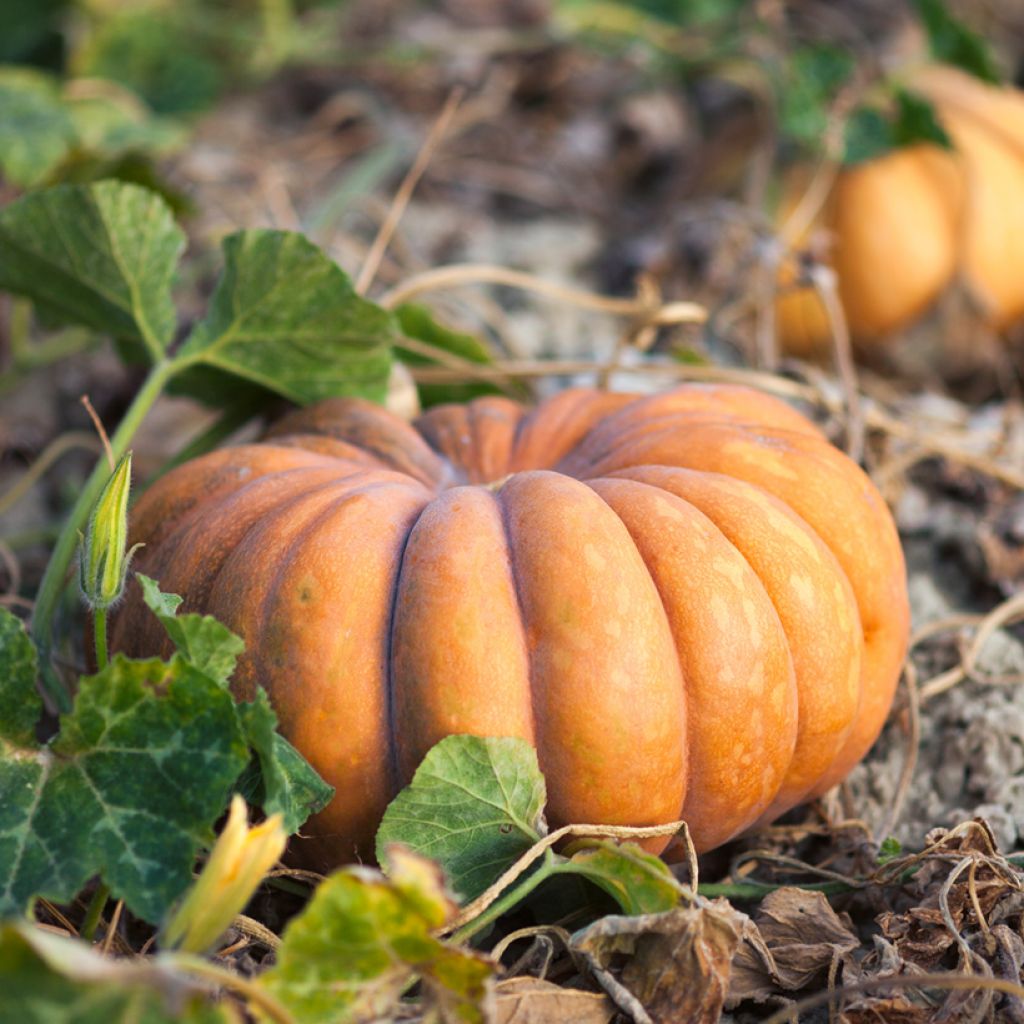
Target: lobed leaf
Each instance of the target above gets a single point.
(474, 805)
(101, 255)
(286, 318)
(141, 768)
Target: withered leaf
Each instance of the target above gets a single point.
(795, 937)
(533, 1001)
(675, 964)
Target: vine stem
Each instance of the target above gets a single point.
(549, 868)
(53, 582)
(93, 911)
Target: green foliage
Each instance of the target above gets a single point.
(474, 806)
(36, 131)
(871, 132)
(200, 639)
(364, 939)
(286, 318)
(141, 768)
(890, 849)
(807, 88)
(101, 255)
(281, 780)
(418, 322)
(952, 42)
(638, 881)
(49, 979)
(47, 133)
(157, 55)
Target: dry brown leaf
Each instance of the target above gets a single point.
(533, 1001)
(675, 965)
(794, 939)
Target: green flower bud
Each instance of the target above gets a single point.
(104, 559)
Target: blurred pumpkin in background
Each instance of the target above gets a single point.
(904, 225)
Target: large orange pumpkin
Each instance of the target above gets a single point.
(691, 603)
(904, 225)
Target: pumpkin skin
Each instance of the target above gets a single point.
(904, 225)
(690, 603)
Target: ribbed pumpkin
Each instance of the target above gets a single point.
(904, 225)
(690, 603)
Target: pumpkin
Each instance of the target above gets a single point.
(691, 603)
(904, 225)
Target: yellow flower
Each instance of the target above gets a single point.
(238, 862)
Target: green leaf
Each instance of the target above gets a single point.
(158, 54)
(868, 135)
(286, 318)
(638, 881)
(101, 255)
(812, 77)
(200, 639)
(418, 322)
(36, 133)
(917, 121)
(288, 783)
(110, 127)
(952, 42)
(50, 979)
(363, 940)
(20, 704)
(475, 805)
(129, 789)
(871, 133)
(889, 849)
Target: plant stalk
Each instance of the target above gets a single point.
(53, 582)
(93, 912)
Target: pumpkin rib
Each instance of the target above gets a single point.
(604, 670)
(210, 477)
(324, 646)
(741, 697)
(134, 627)
(456, 578)
(822, 626)
(374, 429)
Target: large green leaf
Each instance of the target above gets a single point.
(286, 318)
(364, 939)
(49, 979)
(36, 132)
(101, 255)
(474, 806)
(129, 789)
(872, 132)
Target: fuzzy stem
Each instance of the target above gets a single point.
(99, 627)
(52, 585)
